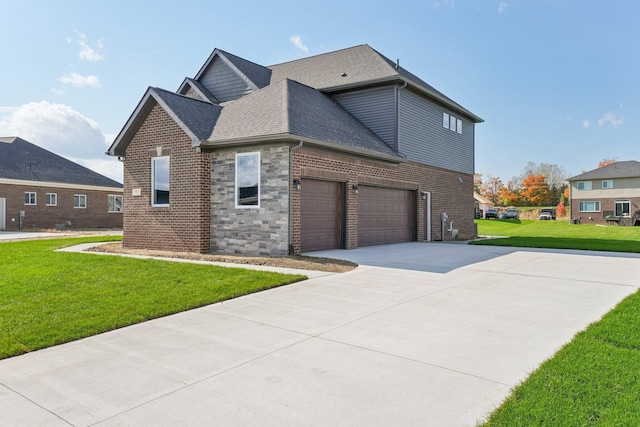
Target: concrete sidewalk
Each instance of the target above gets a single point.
(383, 346)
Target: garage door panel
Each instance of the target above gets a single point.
(385, 215)
(321, 215)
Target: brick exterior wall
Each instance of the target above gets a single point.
(252, 231)
(606, 205)
(43, 217)
(184, 225)
(447, 193)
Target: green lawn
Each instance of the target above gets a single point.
(48, 298)
(559, 234)
(595, 379)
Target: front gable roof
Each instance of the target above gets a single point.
(24, 161)
(356, 67)
(196, 118)
(292, 111)
(625, 169)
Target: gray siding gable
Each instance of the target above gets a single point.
(375, 108)
(423, 139)
(223, 82)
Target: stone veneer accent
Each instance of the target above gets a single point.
(251, 231)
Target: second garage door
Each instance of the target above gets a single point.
(385, 215)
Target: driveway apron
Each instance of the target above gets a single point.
(419, 334)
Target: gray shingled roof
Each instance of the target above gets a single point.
(355, 66)
(259, 75)
(625, 169)
(195, 117)
(22, 160)
(290, 110)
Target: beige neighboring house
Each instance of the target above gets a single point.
(610, 194)
(482, 204)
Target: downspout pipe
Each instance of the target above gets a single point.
(291, 188)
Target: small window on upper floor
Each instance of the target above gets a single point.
(607, 183)
(583, 185)
(459, 126)
(452, 123)
(445, 120)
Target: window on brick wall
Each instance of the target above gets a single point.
(114, 203)
(52, 199)
(160, 181)
(591, 206)
(622, 208)
(30, 198)
(79, 201)
(248, 180)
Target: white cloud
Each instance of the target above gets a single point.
(438, 3)
(75, 79)
(87, 53)
(63, 131)
(610, 118)
(502, 8)
(586, 124)
(296, 40)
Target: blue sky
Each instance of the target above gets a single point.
(555, 81)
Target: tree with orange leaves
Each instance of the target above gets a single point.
(535, 191)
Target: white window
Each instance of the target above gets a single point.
(114, 203)
(30, 198)
(52, 199)
(584, 185)
(248, 180)
(589, 206)
(79, 201)
(452, 123)
(445, 120)
(607, 183)
(622, 208)
(459, 126)
(160, 181)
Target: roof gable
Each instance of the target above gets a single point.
(624, 169)
(196, 118)
(22, 160)
(228, 77)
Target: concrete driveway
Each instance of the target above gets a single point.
(420, 334)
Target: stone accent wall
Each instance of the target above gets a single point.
(184, 225)
(451, 192)
(251, 231)
(43, 217)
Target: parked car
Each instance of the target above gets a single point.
(491, 213)
(551, 212)
(510, 213)
(545, 216)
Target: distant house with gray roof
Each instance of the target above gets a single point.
(41, 190)
(339, 150)
(607, 194)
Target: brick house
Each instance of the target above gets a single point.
(41, 190)
(606, 195)
(338, 150)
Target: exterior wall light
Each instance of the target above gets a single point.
(297, 184)
(423, 194)
(354, 188)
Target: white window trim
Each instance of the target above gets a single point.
(236, 193)
(587, 185)
(153, 182)
(607, 184)
(596, 206)
(459, 126)
(48, 199)
(35, 198)
(81, 197)
(621, 202)
(114, 203)
(445, 120)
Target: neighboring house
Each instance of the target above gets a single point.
(482, 204)
(41, 190)
(606, 194)
(339, 150)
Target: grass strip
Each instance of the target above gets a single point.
(49, 298)
(592, 381)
